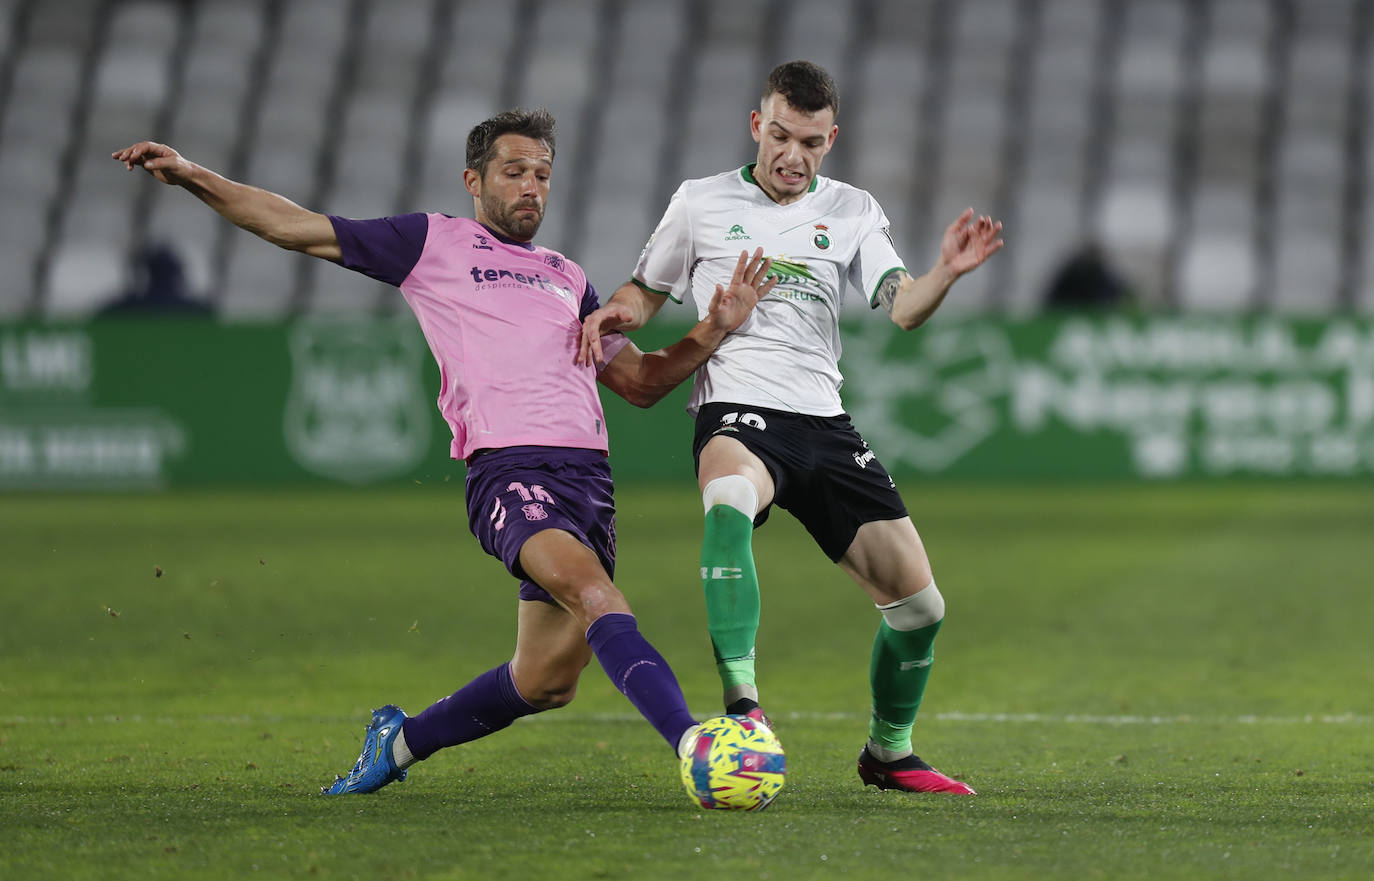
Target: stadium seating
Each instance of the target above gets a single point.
(1218, 152)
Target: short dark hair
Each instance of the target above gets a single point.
(537, 123)
(805, 86)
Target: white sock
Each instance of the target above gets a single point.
(883, 754)
(400, 753)
(736, 692)
(685, 742)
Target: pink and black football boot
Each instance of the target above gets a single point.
(907, 775)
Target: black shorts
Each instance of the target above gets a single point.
(823, 472)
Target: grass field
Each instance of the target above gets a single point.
(1162, 682)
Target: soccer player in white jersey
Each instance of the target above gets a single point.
(502, 318)
(770, 426)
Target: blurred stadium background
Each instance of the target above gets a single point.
(1212, 156)
(1219, 150)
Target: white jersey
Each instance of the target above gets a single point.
(786, 355)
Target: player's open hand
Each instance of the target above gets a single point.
(609, 318)
(159, 160)
(731, 306)
(968, 242)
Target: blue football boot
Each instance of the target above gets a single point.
(375, 768)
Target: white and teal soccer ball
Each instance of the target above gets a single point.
(735, 763)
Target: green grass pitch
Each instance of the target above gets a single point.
(1141, 682)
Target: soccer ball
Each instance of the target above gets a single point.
(734, 764)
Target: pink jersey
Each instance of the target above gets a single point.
(502, 319)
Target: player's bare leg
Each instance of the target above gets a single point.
(889, 562)
(735, 486)
(550, 654)
(569, 570)
(553, 646)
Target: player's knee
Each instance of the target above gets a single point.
(734, 490)
(590, 600)
(921, 609)
(553, 694)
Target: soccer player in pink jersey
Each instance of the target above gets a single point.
(502, 317)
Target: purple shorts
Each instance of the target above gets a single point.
(515, 492)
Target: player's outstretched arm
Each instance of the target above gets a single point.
(643, 378)
(966, 244)
(265, 214)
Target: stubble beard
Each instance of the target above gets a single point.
(504, 220)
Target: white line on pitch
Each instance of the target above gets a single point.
(794, 716)
(1043, 718)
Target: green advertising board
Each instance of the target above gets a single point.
(144, 403)
(1116, 397)
(149, 403)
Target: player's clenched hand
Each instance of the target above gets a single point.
(611, 317)
(159, 160)
(750, 283)
(968, 242)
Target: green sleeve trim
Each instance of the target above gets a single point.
(642, 286)
(873, 297)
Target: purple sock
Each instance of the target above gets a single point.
(641, 674)
(483, 706)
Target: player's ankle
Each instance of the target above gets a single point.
(400, 752)
(887, 754)
(742, 691)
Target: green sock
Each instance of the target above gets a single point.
(732, 593)
(898, 672)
